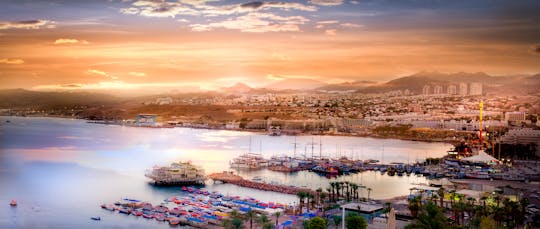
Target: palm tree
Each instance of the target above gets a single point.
(368, 193)
(333, 186)
(277, 214)
(318, 191)
(328, 190)
(483, 199)
(250, 215)
(309, 200)
(386, 209)
(414, 206)
(430, 217)
(440, 192)
(337, 220)
(354, 188)
(301, 195)
(346, 185)
(323, 205)
(338, 187)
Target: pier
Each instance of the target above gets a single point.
(229, 177)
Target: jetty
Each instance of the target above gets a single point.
(230, 177)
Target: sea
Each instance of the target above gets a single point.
(61, 170)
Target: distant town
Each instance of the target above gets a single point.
(440, 111)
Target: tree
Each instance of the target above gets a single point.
(414, 206)
(430, 217)
(440, 192)
(368, 193)
(354, 221)
(337, 220)
(316, 223)
(301, 196)
(277, 214)
(234, 223)
(386, 209)
(487, 223)
(250, 215)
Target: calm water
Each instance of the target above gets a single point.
(61, 170)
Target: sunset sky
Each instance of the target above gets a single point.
(191, 44)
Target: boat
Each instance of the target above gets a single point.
(97, 218)
(249, 161)
(13, 203)
(477, 175)
(513, 177)
(274, 131)
(177, 173)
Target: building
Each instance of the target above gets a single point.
(451, 90)
(475, 89)
(164, 101)
(463, 89)
(437, 90)
(146, 120)
(426, 90)
(516, 116)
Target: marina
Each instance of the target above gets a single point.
(68, 162)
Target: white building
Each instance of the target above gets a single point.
(516, 116)
(475, 89)
(463, 89)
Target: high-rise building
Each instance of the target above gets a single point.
(437, 89)
(426, 90)
(451, 90)
(475, 89)
(516, 116)
(463, 89)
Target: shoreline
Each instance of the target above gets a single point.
(340, 134)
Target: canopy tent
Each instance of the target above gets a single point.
(391, 219)
(481, 157)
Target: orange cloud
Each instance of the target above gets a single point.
(69, 41)
(11, 61)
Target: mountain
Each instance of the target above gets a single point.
(237, 88)
(24, 98)
(491, 84)
(296, 84)
(347, 86)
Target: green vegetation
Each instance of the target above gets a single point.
(355, 221)
(316, 223)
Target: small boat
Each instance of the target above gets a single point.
(95, 218)
(13, 203)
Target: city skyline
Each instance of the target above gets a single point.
(186, 44)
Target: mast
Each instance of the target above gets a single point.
(481, 109)
(320, 147)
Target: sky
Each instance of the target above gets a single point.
(184, 45)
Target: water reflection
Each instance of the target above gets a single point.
(62, 169)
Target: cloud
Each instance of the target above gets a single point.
(138, 74)
(354, 2)
(62, 41)
(11, 61)
(29, 24)
(161, 8)
(328, 22)
(256, 23)
(326, 2)
(330, 32)
(351, 25)
(101, 73)
(273, 77)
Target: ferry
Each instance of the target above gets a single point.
(177, 173)
(249, 161)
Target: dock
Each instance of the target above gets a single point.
(229, 177)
